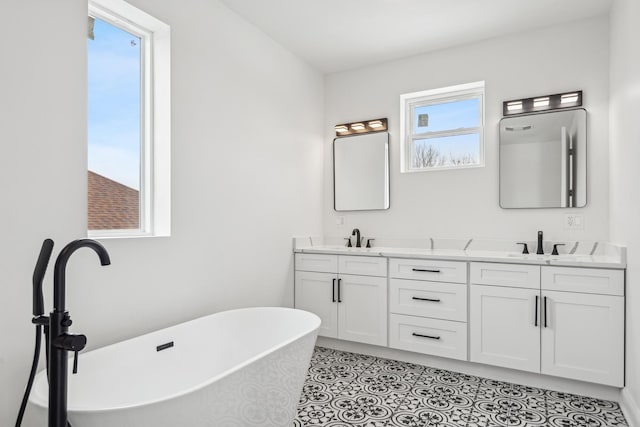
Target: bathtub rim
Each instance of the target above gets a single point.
(316, 321)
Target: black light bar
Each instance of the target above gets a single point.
(365, 126)
(542, 103)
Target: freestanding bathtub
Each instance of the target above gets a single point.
(236, 368)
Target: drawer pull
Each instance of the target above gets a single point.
(422, 270)
(426, 299)
(425, 336)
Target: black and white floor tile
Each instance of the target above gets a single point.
(346, 389)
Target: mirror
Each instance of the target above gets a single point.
(543, 160)
(361, 172)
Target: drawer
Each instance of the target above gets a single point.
(362, 265)
(438, 300)
(432, 270)
(512, 275)
(429, 336)
(317, 262)
(583, 280)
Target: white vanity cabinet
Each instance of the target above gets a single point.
(428, 307)
(348, 293)
(561, 321)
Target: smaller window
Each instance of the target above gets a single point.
(129, 138)
(443, 128)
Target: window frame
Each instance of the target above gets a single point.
(408, 104)
(155, 106)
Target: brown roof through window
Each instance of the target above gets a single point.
(112, 206)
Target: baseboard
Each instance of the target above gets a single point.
(630, 408)
(481, 370)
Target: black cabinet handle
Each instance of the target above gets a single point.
(536, 321)
(425, 270)
(425, 336)
(333, 291)
(426, 299)
(339, 283)
(545, 312)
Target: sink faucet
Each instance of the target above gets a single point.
(356, 233)
(61, 342)
(540, 250)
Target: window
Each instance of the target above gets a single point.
(128, 122)
(442, 128)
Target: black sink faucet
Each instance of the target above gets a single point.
(61, 342)
(540, 250)
(356, 233)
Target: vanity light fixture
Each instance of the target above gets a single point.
(364, 126)
(542, 103)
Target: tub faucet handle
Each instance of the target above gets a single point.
(71, 342)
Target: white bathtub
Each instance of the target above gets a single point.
(236, 368)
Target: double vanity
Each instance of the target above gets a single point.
(556, 315)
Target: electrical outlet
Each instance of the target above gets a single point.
(339, 221)
(573, 222)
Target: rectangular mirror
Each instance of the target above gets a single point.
(543, 160)
(361, 172)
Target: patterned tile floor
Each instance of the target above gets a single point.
(347, 389)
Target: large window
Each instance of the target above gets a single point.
(128, 122)
(443, 128)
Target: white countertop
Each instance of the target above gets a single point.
(609, 256)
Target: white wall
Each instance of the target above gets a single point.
(464, 203)
(625, 175)
(247, 175)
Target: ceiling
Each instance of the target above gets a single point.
(337, 35)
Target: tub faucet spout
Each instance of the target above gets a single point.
(60, 341)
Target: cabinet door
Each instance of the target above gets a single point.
(362, 309)
(315, 292)
(584, 337)
(503, 327)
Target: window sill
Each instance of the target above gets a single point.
(121, 234)
(443, 168)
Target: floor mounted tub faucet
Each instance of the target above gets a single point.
(61, 341)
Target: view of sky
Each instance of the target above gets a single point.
(448, 116)
(114, 104)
